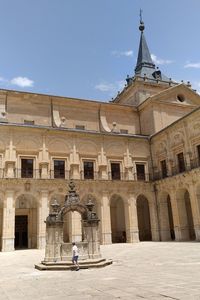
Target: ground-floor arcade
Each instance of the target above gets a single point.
(128, 211)
(178, 201)
(24, 206)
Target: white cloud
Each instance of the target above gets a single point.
(192, 65)
(126, 53)
(22, 82)
(105, 87)
(112, 88)
(3, 80)
(160, 61)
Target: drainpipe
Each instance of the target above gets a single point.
(155, 191)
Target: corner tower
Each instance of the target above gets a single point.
(147, 79)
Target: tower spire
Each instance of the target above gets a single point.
(144, 64)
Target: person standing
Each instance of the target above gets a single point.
(75, 254)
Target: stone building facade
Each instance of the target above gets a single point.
(137, 158)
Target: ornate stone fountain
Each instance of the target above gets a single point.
(57, 253)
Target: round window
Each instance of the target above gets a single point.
(180, 98)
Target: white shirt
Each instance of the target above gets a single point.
(75, 250)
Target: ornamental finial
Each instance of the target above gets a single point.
(141, 27)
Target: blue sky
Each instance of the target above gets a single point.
(86, 48)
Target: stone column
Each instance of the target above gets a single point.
(164, 221)
(195, 210)
(179, 217)
(43, 211)
(132, 232)
(8, 234)
(154, 221)
(105, 220)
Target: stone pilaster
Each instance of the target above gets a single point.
(10, 169)
(179, 218)
(195, 210)
(74, 163)
(102, 163)
(44, 169)
(8, 234)
(106, 234)
(154, 221)
(132, 232)
(43, 211)
(164, 221)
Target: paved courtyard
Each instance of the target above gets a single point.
(139, 271)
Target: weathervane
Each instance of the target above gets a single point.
(141, 16)
(141, 27)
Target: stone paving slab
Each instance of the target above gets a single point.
(148, 270)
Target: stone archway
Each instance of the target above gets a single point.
(117, 214)
(25, 222)
(185, 215)
(73, 229)
(143, 215)
(56, 250)
(166, 217)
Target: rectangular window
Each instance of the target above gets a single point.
(198, 154)
(124, 131)
(29, 122)
(163, 168)
(26, 168)
(59, 168)
(181, 162)
(140, 169)
(88, 169)
(115, 171)
(80, 127)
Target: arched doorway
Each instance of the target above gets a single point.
(185, 215)
(118, 226)
(144, 224)
(25, 222)
(171, 221)
(166, 217)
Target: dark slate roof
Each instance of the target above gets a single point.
(145, 66)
